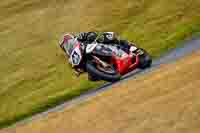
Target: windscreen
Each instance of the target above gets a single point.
(70, 45)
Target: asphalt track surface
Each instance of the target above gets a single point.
(187, 48)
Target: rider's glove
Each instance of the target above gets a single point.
(82, 36)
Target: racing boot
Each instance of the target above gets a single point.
(132, 49)
(132, 52)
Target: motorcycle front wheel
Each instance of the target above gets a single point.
(94, 71)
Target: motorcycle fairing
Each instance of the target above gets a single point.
(91, 47)
(76, 55)
(103, 50)
(120, 58)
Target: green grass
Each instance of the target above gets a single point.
(34, 74)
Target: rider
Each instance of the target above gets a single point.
(106, 38)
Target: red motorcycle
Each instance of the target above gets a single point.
(102, 61)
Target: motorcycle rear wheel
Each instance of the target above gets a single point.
(145, 59)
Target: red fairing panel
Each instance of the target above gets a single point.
(125, 65)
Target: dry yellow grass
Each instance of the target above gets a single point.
(166, 100)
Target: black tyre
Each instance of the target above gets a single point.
(145, 59)
(95, 73)
(92, 78)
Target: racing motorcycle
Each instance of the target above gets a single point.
(102, 61)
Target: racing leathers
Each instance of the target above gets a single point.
(105, 38)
